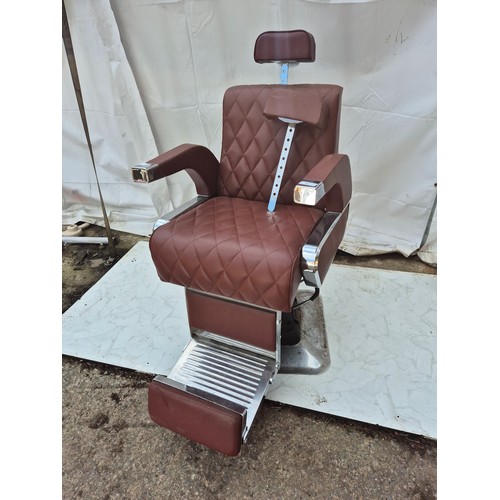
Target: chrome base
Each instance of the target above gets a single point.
(311, 355)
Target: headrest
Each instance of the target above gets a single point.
(296, 105)
(285, 46)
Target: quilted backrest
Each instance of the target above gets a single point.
(252, 142)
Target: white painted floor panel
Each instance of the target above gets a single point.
(381, 329)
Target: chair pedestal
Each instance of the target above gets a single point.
(310, 355)
(212, 394)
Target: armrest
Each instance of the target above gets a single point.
(198, 161)
(332, 177)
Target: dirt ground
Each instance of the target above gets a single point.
(111, 449)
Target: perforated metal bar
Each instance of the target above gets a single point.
(285, 150)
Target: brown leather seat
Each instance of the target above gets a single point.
(235, 248)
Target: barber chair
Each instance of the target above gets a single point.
(269, 215)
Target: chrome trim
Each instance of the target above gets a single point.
(160, 222)
(308, 192)
(196, 332)
(289, 120)
(185, 207)
(312, 248)
(140, 172)
(278, 342)
(316, 240)
(212, 398)
(278, 177)
(223, 375)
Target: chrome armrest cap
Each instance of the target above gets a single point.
(141, 172)
(308, 192)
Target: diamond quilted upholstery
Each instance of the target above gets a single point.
(251, 142)
(235, 248)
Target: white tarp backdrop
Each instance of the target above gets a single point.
(153, 74)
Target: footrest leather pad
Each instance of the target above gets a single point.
(195, 418)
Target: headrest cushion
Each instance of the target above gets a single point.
(285, 46)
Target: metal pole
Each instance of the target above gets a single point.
(68, 45)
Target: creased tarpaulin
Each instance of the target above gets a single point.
(428, 251)
(153, 75)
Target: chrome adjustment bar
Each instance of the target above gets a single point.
(284, 73)
(284, 67)
(285, 150)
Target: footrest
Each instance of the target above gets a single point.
(195, 418)
(212, 394)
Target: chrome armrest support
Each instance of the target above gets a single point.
(312, 248)
(308, 192)
(185, 207)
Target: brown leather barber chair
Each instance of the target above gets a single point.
(269, 215)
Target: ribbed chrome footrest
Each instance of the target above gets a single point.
(224, 383)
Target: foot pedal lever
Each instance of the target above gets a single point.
(212, 394)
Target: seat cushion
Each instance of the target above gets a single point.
(235, 248)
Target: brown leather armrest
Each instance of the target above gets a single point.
(329, 178)
(198, 161)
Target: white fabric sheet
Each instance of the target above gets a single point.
(164, 87)
(118, 125)
(428, 251)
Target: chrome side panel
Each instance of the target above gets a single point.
(312, 248)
